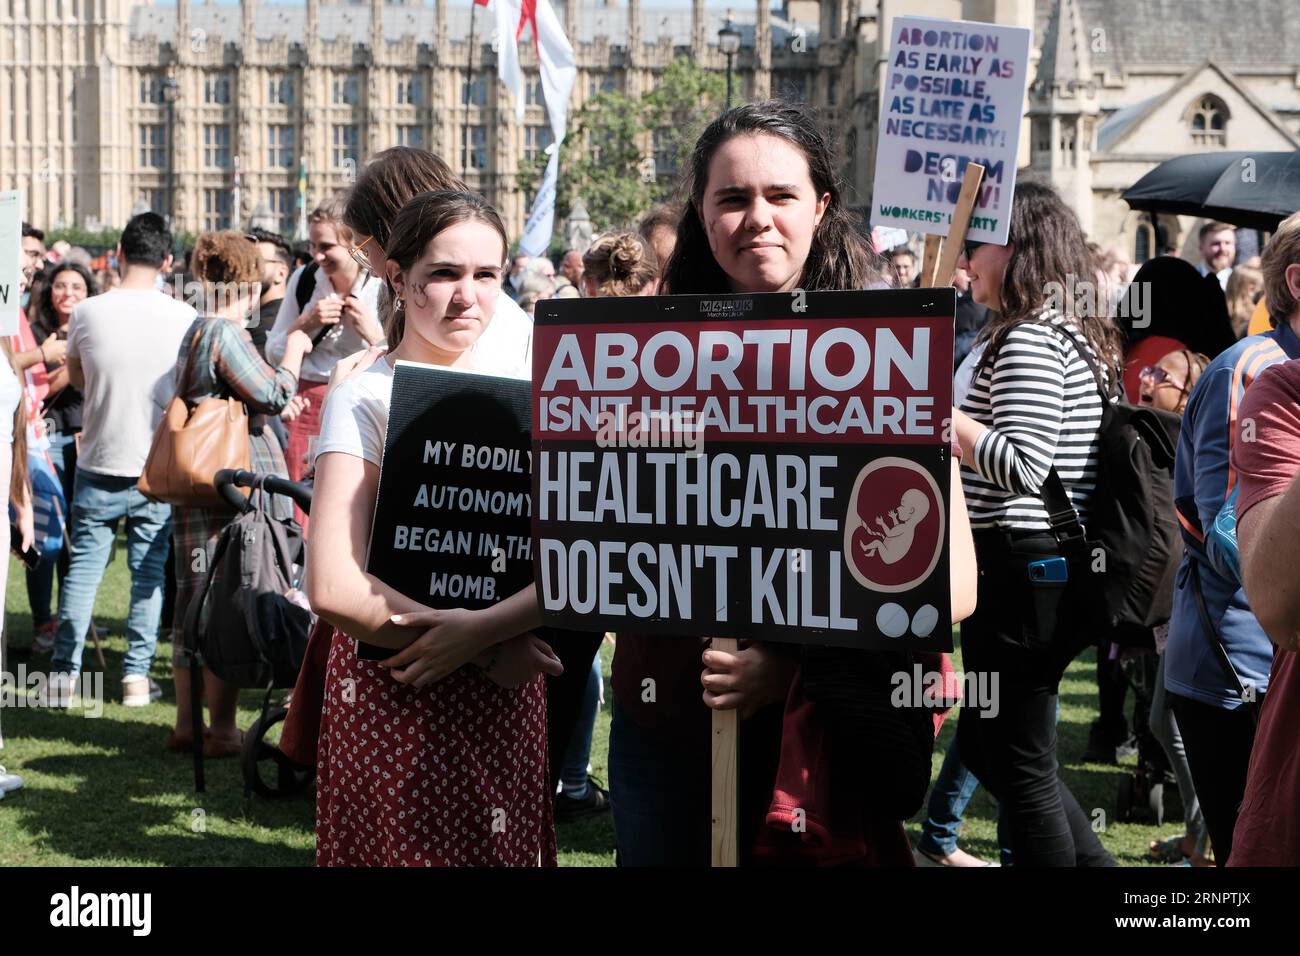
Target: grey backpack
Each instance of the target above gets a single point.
(240, 624)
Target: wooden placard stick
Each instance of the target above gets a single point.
(726, 728)
(930, 261)
(952, 246)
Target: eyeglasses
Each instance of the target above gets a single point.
(969, 247)
(1159, 376)
(358, 255)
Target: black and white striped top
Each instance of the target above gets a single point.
(1040, 402)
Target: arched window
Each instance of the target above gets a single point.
(1150, 240)
(1209, 121)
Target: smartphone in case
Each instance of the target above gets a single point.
(1049, 571)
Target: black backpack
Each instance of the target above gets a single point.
(239, 623)
(306, 285)
(1128, 555)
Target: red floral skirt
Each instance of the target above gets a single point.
(451, 775)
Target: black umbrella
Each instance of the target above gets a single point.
(1256, 190)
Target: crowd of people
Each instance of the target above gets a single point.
(482, 720)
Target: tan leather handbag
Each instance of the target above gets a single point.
(192, 444)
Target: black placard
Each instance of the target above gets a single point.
(451, 526)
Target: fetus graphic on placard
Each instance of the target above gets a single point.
(893, 533)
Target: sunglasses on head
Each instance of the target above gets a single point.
(1159, 376)
(358, 253)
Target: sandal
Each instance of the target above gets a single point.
(1168, 850)
(215, 748)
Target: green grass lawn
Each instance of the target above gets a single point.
(103, 792)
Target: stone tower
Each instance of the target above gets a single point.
(1063, 110)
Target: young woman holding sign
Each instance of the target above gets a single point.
(437, 755)
(388, 182)
(765, 215)
(1033, 406)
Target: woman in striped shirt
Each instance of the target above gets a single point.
(1033, 411)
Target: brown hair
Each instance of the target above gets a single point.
(391, 179)
(1211, 227)
(1282, 250)
(419, 221)
(620, 263)
(331, 213)
(1050, 259)
(661, 216)
(1196, 363)
(1241, 301)
(839, 258)
(388, 182)
(226, 257)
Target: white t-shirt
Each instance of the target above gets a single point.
(337, 344)
(127, 342)
(355, 418)
(506, 345)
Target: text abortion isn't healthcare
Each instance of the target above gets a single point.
(837, 359)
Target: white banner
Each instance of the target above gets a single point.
(954, 95)
(508, 14)
(11, 259)
(541, 221)
(558, 70)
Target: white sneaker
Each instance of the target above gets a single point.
(140, 691)
(9, 782)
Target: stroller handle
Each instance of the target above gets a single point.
(229, 480)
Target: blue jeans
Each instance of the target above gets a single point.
(949, 796)
(577, 757)
(40, 580)
(99, 503)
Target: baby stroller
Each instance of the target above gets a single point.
(249, 625)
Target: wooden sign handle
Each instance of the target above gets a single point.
(726, 729)
(952, 245)
(930, 261)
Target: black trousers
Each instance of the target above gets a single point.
(1023, 636)
(1218, 744)
(564, 694)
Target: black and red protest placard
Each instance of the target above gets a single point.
(769, 466)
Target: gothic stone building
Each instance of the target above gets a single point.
(111, 106)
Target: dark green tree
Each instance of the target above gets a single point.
(623, 154)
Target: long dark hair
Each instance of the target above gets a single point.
(839, 258)
(1051, 258)
(419, 221)
(48, 320)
